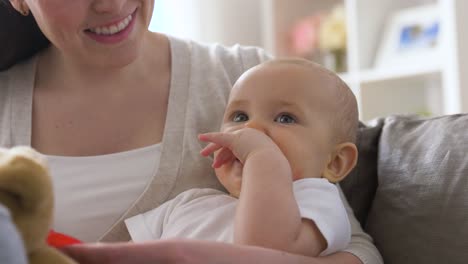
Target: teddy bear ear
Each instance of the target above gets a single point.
(26, 189)
(24, 173)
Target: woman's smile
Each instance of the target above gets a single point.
(113, 32)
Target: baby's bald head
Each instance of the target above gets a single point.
(342, 109)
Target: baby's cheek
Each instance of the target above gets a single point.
(297, 174)
(232, 183)
(303, 173)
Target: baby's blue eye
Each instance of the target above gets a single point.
(240, 117)
(285, 119)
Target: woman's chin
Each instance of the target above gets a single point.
(114, 62)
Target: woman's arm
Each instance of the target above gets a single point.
(361, 244)
(193, 252)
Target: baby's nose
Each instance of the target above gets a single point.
(256, 125)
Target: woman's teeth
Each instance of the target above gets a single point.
(111, 30)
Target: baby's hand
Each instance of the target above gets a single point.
(239, 144)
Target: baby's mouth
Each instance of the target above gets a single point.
(238, 161)
(238, 165)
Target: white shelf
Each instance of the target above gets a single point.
(427, 85)
(421, 88)
(382, 75)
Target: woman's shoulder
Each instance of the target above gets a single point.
(244, 56)
(16, 85)
(231, 58)
(21, 70)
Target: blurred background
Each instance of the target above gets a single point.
(398, 56)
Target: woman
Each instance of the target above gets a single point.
(117, 110)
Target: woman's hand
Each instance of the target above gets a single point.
(193, 252)
(121, 253)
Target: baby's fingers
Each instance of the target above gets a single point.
(224, 155)
(209, 149)
(223, 139)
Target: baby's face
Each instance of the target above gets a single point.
(291, 105)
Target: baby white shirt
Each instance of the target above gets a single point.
(208, 214)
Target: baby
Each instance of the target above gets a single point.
(287, 136)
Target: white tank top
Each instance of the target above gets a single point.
(91, 193)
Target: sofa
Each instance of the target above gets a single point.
(409, 188)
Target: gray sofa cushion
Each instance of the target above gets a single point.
(360, 185)
(420, 209)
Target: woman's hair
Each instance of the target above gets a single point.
(20, 37)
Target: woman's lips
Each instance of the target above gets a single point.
(114, 33)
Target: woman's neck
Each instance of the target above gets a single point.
(130, 104)
(58, 71)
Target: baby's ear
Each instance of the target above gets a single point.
(341, 162)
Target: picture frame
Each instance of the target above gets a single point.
(411, 37)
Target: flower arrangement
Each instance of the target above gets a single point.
(305, 36)
(322, 37)
(332, 34)
(333, 39)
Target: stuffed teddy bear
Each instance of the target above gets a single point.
(26, 190)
